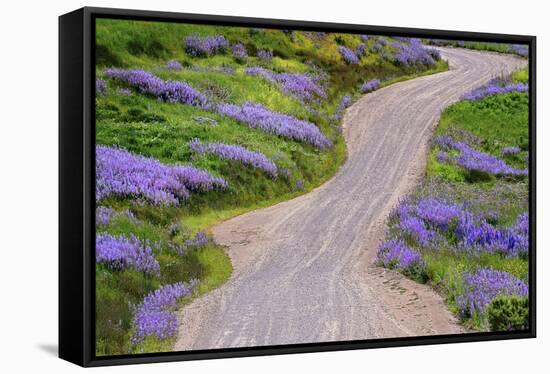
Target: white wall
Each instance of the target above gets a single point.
(28, 182)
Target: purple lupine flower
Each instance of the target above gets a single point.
(239, 51)
(101, 86)
(520, 50)
(417, 229)
(124, 91)
(123, 174)
(344, 103)
(361, 50)
(257, 116)
(199, 240)
(103, 215)
(495, 87)
(471, 159)
(236, 153)
(395, 254)
(510, 150)
(347, 54)
(442, 157)
(264, 54)
(437, 211)
(299, 184)
(198, 46)
(302, 86)
(173, 65)
(475, 234)
(120, 252)
(364, 38)
(413, 52)
(483, 285)
(370, 86)
(156, 316)
(170, 91)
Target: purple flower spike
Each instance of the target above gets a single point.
(123, 174)
(120, 252)
(257, 116)
(347, 54)
(155, 316)
(483, 285)
(236, 153)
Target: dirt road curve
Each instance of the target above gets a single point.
(304, 268)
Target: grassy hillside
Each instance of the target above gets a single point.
(465, 229)
(162, 88)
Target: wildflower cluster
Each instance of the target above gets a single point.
(121, 173)
(236, 153)
(257, 116)
(474, 160)
(348, 55)
(120, 252)
(155, 316)
(495, 87)
(101, 86)
(395, 254)
(173, 65)
(198, 46)
(264, 54)
(239, 51)
(413, 52)
(170, 91)
(302, 86)
(370, 86)
(483, 285)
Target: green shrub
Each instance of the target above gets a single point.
(508, 313)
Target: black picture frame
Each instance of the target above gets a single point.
(76, 186)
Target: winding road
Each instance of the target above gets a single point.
(304, 268)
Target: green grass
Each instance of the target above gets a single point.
(144, 125)
(497, 121)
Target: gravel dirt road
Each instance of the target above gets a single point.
(304, 269)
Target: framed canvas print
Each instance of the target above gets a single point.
(235, 186)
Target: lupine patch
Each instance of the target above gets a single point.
(170, 91)
(198, 46)
(257, 116)
(344, 103)
(104, 215)
(123, 174)
(360, 50)
(511, 150)
(156, 316)
(474, 160)
(239, 51)
(173, 65)
(428, 220)
(483, 285)
(495, 86)
(520, 50)
(414, 52)
(264, 54)
(236, 153)
(199, 240)
(370, 86)
(120, 252)
(395, 254)
(101, 86)
(300, 85)
(348, 55)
